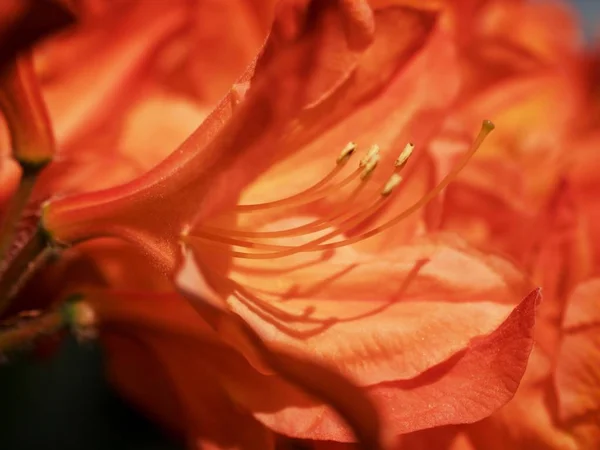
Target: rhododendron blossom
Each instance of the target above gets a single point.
(280, 274)
(532, 194)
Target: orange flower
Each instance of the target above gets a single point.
(328, 68)
(111, 73)
(530, 193)
(317, 288)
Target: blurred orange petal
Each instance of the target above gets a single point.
(577, 371)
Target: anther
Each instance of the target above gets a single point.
(487, 126)
(346, 153)
(392, 183)
(404, 155)
(373, 151)
(369, 166)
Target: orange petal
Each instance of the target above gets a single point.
(25, 112)
(547, 30)
(493, 366)
(89, 73)
(190, 351)
(584, 176)
(194, 407)
(316, 304)
(577, 371)
(224, 158)
(411, 109)
(338, 313)
(10, 174)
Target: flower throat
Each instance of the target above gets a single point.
(344, 218)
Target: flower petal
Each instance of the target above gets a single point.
(190, 351)
(197, 408)
(577, 371)
(463, 389)
(88, 73)
(395, 339)
(265, 127)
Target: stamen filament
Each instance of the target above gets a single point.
(295, 200)
(310, 246)
(342, 159)
(301, 196)
(343, 222)
(486, 128)
(312, 227)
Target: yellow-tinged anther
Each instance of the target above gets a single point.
(346, 153)
(403, 158)
(393, 182)
(488, 125)
(373, 151)
(369, 167)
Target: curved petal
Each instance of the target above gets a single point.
(386, 336)
(443, 395)
(196, 408)
(107, 53)
(261, 130)
(317, 309)
(190, 350)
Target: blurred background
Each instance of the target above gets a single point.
(64, 402)
(590, 14)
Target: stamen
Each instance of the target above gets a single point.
(370, 166)
(309, 196)
(318, 225)
(372, 159)
(393, 182)
(313, 193)
(344, 156)
(346, 153)
(314, 244)
(373, 151)
(403, 158)
(294, 198)
(344, 219)
(486, 128)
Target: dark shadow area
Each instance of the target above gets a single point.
(64, 402)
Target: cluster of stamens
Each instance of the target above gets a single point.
(331, 231)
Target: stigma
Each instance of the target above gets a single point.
(353, 198)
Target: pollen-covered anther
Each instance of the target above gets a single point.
(370, 166)
(373, 152)
(346, 153)
(404, 156)
(391, 184)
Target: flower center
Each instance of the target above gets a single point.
(352, 211)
